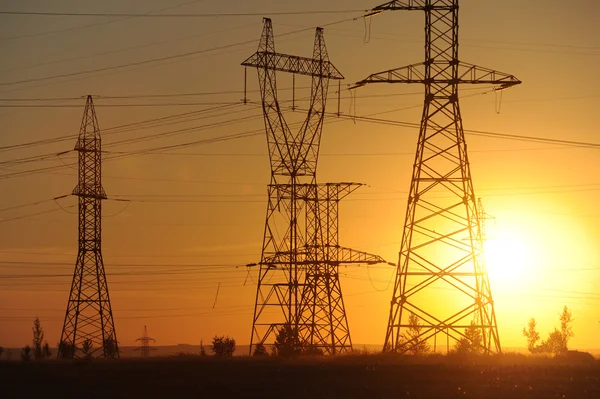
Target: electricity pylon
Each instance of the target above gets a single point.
(145, 347)
(441, 248)
(299, 291)
(88, 328)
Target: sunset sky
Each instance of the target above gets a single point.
(197, 212)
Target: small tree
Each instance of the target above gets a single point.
(202, 350)
(532, 335)
(287, 343)
(566, 328)
(410, 337)
(558, 340)
(87, 348)
(66, 350)
(46, 351)
(259, 350)
(554, 343)
(38, 338)
(26, 353)
(223, 346)
(111, 348)
(471, 343)
(1, 351)
(312, 350)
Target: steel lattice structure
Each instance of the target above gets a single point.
(441, 247)
(89, 329)
(298, 285)
(145, 341)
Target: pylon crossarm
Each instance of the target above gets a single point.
(406, 5)
(467, 74)
(322, 192)
(339, 255)
(293, 64)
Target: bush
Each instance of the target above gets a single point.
(66, 350)
(223, 346)
(26, 353)
(287, 343)
(260, 350)
(471, 343)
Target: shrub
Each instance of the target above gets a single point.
(223, 346)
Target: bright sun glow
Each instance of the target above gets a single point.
(508, 260)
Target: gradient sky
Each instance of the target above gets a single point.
(204, 205)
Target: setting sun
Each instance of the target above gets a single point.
(508, 258)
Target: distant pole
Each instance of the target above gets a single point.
(88, 329)
(145, 347)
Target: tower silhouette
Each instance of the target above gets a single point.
(88, 328)
(145, 341)
(299, 292)
(441, 248)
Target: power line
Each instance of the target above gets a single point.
(179, 104)
(187, 15)
(34, 214)
(126, 65)
(159, 59)
(95, 23)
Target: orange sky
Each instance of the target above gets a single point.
(206, 204)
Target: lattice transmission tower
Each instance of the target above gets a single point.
(145, 341)
(89, 329)
(441, 276)
(299, 292)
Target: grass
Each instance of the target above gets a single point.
(348, 376)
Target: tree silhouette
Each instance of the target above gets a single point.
(111, 349)
(87, 348)
(532, 335)
(471, 342)
(260, 350)
(46, 350)
(223, 346)
(410, 338)
(202, 350)
(26, 353)
(558, 340)
(66, 350)
(566, 329)
(38, 338)
(1, 351)
(313, 350)
(287, 343)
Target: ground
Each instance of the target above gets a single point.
(372, 376)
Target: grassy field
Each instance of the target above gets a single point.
(365, 376)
